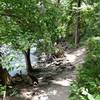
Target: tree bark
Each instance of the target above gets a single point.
(29, 66)
(58, 1)
(0, 61)
(77, 35)
(28, 60)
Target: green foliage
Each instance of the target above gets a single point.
(91, 17)
(23, 23)
(6, 61)
(26, 22)
(87, 86)
(2, 89)
(43, 22)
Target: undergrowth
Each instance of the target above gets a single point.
(87, 85)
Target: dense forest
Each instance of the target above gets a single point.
(54, 41)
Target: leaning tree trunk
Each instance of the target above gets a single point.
(28, 60)
(77, 35)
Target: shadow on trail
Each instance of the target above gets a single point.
(51, 73)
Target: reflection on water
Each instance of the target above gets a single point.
(18, 63)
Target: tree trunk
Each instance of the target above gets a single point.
(29, 66)
(0, 60)
(58, 1)
(28, 60)
(77, 35)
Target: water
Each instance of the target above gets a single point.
(18, 62)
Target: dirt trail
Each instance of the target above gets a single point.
(54, 81)
(58, 86)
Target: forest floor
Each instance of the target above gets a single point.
(54, 79)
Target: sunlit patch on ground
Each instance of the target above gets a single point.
(63, 82)
(76, 57)
(42, 96)
(70, 57)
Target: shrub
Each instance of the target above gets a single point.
(2, 89)
(87, 85)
